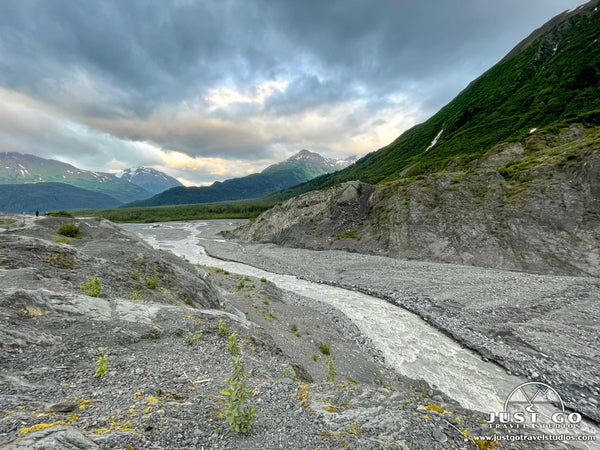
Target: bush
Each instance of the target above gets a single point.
(330, 376)
(152, 283)
(222, 327)
(92, 288)
(192, 338)
(101, 366)
(232, 346)
(240, 418)
(324, 349)
(69, 230)
(61, 213)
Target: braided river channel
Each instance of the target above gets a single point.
(410, 345)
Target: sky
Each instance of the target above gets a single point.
(207, 90)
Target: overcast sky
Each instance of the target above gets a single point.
(213, 89)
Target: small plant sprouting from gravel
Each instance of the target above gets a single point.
(62, 240)
(69, 230)
(240, 286)
(330, 376)
(189, 302)
(61, 260)
(232, 346)
(315, 357)
(294, 328)
(101, 365)
(240, 418)
(192, 338)
(135, 275)
(92, 288)
(324, 349)
(137, 295)
(263, 280)
(153, 282)
(222, 328)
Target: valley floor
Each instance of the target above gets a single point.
(162, 387)
(540, 328)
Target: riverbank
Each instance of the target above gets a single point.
(157, 322)
(542, 328)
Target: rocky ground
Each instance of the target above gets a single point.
(162, 325)
(543, 328)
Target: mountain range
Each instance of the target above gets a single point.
(28, 182)
(303, 166)
(149, 179)
(19, 168)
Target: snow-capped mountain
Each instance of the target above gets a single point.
(150, 179)
(20, 168)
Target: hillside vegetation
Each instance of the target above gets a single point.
(48, 196)
(217, 210)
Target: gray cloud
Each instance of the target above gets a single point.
(143, 70)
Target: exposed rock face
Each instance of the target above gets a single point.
(126, 266)
(531, 206)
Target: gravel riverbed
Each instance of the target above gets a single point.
(541, 328)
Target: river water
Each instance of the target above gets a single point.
(410, 345)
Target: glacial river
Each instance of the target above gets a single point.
(410, 345)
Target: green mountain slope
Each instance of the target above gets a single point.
(19, 168)
(17, 198)
(551, 79)
(301, 167)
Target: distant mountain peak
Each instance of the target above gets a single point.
(148, 178)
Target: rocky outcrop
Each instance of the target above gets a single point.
(532, 206)
(37, 257)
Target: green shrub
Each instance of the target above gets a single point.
(101, 366)
(69, 230)
(240, 418)
(192, 338)
(294, 327)
(263, 280)
(61, 213)
(136, 295)
(92, 288)
(153, 282)
(240, 286)
(324, 349)
(330, 376)
(135, 275)
(232, 346)
(222, 328)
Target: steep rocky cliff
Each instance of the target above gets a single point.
(532, 205)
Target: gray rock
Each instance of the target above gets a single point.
(57, 437)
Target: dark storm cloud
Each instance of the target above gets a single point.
(187, 75)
